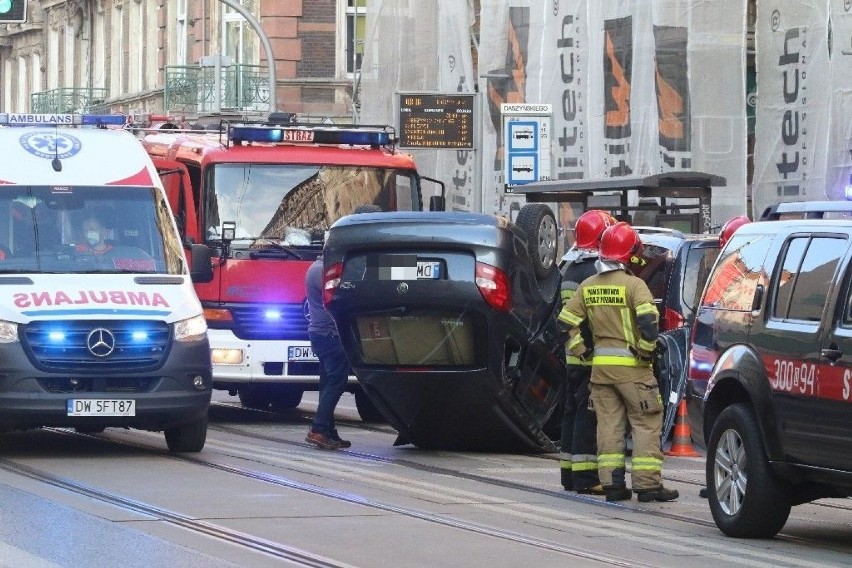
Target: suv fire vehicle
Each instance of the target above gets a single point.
(770, 368)
(262, 196)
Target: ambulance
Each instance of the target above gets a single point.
(100, 325)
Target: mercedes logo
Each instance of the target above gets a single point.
(402, 288)
(100, 342)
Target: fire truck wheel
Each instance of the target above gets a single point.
(287, 397)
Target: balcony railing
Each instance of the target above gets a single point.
(68, 100)
(191, 88)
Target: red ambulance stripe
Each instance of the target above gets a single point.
(142, 177)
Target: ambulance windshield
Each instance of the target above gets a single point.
(87, 230)
(295, 204)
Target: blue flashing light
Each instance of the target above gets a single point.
(272, 315)
(308, 135)
(139, 336)
(56, 336)
(21, 119)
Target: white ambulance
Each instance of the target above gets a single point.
(99, 322)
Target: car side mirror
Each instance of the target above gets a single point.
(436, 203)
(201, 269)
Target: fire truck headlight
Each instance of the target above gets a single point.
(192, 329)
(8, 332)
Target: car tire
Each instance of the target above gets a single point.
(287, 397)
(187, 438)
(746, 498)
(366, 409)
(254, 397)
(539, 223)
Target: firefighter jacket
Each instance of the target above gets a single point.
(579, 266)
(620, 311)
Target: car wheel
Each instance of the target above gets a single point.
(366, 409)
(539, 224)
(746, 498)
(187, 438)
(254, 397)
(287, 397)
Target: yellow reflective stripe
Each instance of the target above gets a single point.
(611, 460)
(570, 318)
(572, 360)
(647, 464)
(646, 345)
(584, 466)
(627, 327)
(619, 361)
(565, 464)
(646, 308)
(575, 341)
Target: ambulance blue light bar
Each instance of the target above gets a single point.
(17, 119)
(308, 135)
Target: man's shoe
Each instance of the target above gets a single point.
(659, 494)
(593, 490)
(618, 494)
(343, 443)
(322, 441)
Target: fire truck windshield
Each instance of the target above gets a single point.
(295, 204)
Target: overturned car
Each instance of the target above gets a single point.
(449, 321)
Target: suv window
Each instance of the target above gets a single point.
(699, 262)
(734, 280)
(808, 267)
(654, 269)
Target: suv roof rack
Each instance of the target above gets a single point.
(804, 210)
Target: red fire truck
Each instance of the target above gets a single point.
(262, 197)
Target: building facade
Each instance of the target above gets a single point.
(155, 56)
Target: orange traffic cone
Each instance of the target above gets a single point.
(681, 435)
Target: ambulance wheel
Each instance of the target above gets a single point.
(187, 438)
(746, 498)
(539, 223)
(366, 409)
(287, 397)
(254, 397)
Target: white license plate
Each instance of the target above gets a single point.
(301, 353)
(101, 407)
(428, 270)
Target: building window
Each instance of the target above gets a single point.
(356, 23)
(240, 40)
(180, 32)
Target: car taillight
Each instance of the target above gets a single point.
(331, 280)
(493, 284)
(671, 320)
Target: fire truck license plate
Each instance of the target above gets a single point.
(301, 353)
(101, 407)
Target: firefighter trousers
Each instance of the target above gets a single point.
(578, 458)
(640, 405)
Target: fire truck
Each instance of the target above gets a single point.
(262, 197)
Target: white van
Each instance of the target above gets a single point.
(99, 322)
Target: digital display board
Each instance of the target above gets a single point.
(430, 120)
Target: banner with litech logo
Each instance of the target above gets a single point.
(793, 107)
(839, 174)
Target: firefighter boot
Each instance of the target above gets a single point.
(567, 478)
(618, 491)
(658, 494)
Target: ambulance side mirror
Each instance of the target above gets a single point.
(201, 269)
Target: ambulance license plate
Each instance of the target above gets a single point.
(301, 353)
(101, 407)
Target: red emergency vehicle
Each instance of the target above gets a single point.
(262, 196)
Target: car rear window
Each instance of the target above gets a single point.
(429, 339)
(699, 263)
(654, 269)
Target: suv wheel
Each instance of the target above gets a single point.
(539, 224)
(747, 499)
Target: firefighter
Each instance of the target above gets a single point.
(620, 311)
(730, 227)
(578, 461)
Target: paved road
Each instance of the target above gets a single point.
(258, 495)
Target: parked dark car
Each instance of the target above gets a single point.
(769, 371)
(449, 320)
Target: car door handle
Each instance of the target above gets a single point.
(832, 354)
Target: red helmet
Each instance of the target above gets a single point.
(729, 228)
(620, 243)
(589, 228)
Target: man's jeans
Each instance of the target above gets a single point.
(334, 374)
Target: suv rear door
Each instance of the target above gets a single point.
(789, 337)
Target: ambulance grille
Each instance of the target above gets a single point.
(283, 321)
(64, 346)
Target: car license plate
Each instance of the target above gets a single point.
(428, 270)
(301, 353)
(101, 407)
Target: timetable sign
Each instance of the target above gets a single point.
(431, 120)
